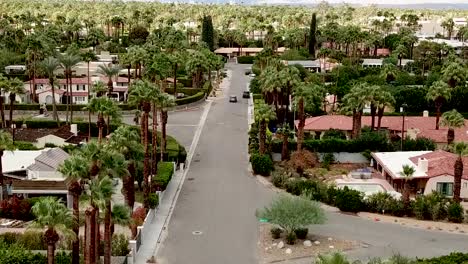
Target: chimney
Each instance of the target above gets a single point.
(74, 129)
(425, 113)
(423, 164)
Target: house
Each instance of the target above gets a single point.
(415, 127)
(64, 135)
(34, 173)
(14, 69)
(311, 65)
(79, 91)
(373, 63)
(120, 87)
(434, 171)
(236, 52)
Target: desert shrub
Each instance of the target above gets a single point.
(139, 216)
(276, 232)
(9, 238)
(455, 213)
(119, 245)
(315, 190)
(430, 207)
(348, 200)
(336, 257)
(15, 208)
(453, 258)
(279, 178)
(334, 133)
(153, 200)
(379, 202)
(245, 59)
(261, 164)
(332, 191)
(302, 160)
(32, 240)
(327, 160)
(291, 238)
(301, 233)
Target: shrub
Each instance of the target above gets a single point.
(139, 216)
(119, 245)
(245, 59)
(255, 86)
(10, 238)
(22, 145)
(455, 213)
(348, 200)
(279, 178)
(303, 160)
(32, 240)
(261, 164)
(327, 160)
(333, 133)
(15, 208)
(332, 191)
(276, 232)
(297, 186)
(153, 200)
(301, 233)
(430, 207)
(164, 175)
(291, 238)
(190, 99)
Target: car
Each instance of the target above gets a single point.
(246, 94)
(233, 99)
(252, 75)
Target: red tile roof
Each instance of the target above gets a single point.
(79, 93)
(60, 81)
(441, 163)
(425, 125)
(119, 79)
(57, 91)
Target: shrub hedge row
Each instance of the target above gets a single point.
(164, 175)
(334, 145)
(186, 91)
(245, 59)
(190, 99)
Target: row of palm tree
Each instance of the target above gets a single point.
(13, 87)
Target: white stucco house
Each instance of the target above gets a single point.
(79, 91)
(434, 171)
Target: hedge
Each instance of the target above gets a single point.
(334, 145)
(191, 99)
(245, 59)
(164, 175)
(186, 91)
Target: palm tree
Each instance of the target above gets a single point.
(6, 143)
(401, 52)
(49, 66)
(103, 107)
(55, 217)
(285, 133)
(407, 174)
(75, 168)
(461, 149)
(454, 73)
(304, 94)
(121, 215)
(439, 92)
(142, 94)
(126, 140)
(164, 103)
(355, 102)
(15, 86)
(263, 115)
(4, 85)
(448, 25)
(88, 57)
(109, 72)
(452, 119)
(68, 62)
(389, 72)
(385, 99)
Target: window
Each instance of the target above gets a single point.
(465, 185)
(79, 99)
(445, 188)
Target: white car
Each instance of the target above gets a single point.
(252, 75)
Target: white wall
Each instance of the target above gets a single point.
(58, 141)
(45, 175)
(431, 185)
(43, 97)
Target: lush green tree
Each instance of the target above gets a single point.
(208, 32)
(312, 35)
(439, 92)
(68, 61)
(4, 85)
(109, 72)
(49, 66)
(292, 212)
(53, 216)
(407, 174)
(461, 149)
(138, 35)
(164, 102)
(452, 119)
(286, 133)
(263, 115)
(103, 107)
(449, 26)
(454, 73)
(88, 57)
(304, 94)
(6, 144)
(15, 87)
(354, 102)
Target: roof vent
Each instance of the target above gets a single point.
(425, 113)
(423, 164)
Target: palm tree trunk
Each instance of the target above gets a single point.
(380, 113)
(3, 186)
(54, 104)
(50, 253)
(373, 110)
(2, 112)
(71, 98)
(107, 233)
(406, 193)
(163, 133)
(301, 125)
(450, 136)
(89, 112)
(175, 80)
(146, 169)
(437, 115)
(12, 102)
(68, 97)
(262, 137)
(155, 142)
(129, 186)
(76, 190)
(284, 149)
(100, 125)
(458, 173)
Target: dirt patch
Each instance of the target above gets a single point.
(270, 253)
(415, 223)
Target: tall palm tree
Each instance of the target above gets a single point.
(355, 102)
(55, 217)
(4, 85)
(126, 140)
(142, 94)
(103, 107)
(109, 72)
(263, 115)
(6, 143)
(304, 94)
(461, 149)
(68, 61)
(121, 215)
(164, 103)
(407, 174)
(75, 168)
(15, 86)
(439, 92)
(88, 57)
(383, 100)
(454, 73)
(452, 119)
(285, 133)
(49, 65)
